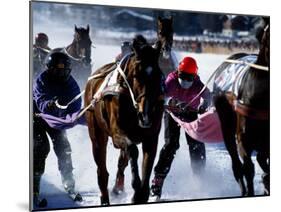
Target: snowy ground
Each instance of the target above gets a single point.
(181, 184)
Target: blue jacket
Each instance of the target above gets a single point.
(45, 89)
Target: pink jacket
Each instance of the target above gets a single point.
(174, 90)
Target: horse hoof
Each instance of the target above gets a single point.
(117, 190)
(104, 201)
(119, 186)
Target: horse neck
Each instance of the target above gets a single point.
(73, 49)
(261, 59)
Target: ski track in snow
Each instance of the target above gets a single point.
(217, 181)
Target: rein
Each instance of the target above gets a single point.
(259, 67)
(79, 59)
(121, 72)
(97, 95)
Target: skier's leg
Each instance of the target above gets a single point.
(41, 149)
(63, 152)
(197, 153)
(167, 153)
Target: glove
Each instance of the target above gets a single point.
(51, 104)
(202, 107)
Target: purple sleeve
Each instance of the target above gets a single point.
(169, 84)
(42, 98)
(75, 90)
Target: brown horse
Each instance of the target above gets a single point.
(165, 32)
(129, 116)
(80, 53)
(245, 119)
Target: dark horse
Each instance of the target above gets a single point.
(80, 53)
(244, 117)
(130, 113)
(165, 32)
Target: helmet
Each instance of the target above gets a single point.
(58, 60)
(188, 65)
(126, 47)
(59, 65)
(41, 39)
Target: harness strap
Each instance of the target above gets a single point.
(263, 68)
(250, 112)
(245, 110)
(73, 58)
(203, 89)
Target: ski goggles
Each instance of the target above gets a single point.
(185, 76)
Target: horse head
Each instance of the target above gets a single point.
(145, 79)
(263, 57)
(165, 35)
(83, 43)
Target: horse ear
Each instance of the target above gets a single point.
(75, 27)
(88, 29)
(159, 19)
(266, 20)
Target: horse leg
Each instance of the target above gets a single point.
(262, 159)
(149, 152)
(245, 148)
(122, 164)
(263, 154)
(228, 121)
(99, 143)
(133, 153)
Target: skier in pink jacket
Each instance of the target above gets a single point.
(181, 86)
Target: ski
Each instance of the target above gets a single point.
(75, 196)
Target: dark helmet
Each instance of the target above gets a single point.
(41, 39)
(59, 65)
(126, 47)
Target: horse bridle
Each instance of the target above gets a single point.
(122, 74)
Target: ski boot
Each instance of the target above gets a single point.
(69, 184)
(38, 202)
(156, 187)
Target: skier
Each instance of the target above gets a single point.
(40, 51)
(53, 84)
(181, 86)
(126, 48)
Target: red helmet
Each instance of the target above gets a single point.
(41, 40)
(188, 65)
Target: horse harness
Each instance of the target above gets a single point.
(243, 110)
(236, 103)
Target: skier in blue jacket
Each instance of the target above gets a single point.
(55, 84)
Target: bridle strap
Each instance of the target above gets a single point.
(121, 72)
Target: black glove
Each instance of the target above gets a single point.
(51, 104)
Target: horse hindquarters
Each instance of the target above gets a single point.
(228, 121)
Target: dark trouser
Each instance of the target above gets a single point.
(172, 134)
(41, 149)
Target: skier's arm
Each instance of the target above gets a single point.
(43, 100)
